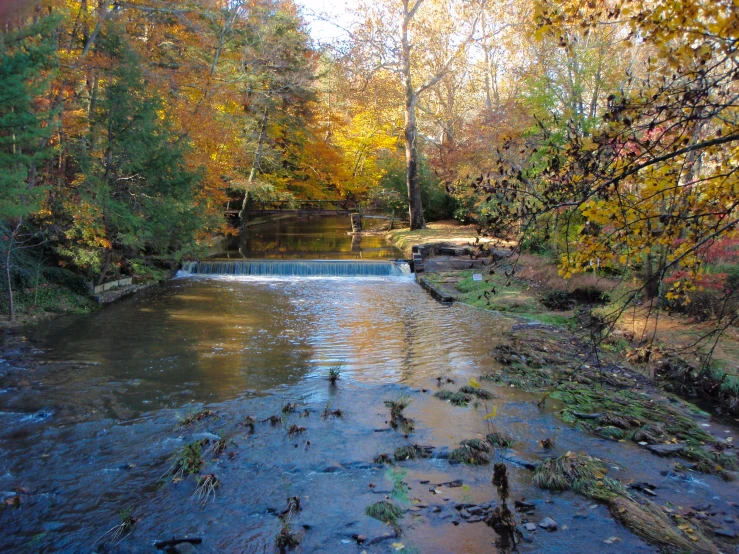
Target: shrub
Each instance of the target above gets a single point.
(558, 300)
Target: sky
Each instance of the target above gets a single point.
(316, 11)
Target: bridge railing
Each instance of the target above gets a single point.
(259, 205)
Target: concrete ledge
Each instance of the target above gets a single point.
(110, 296)
(112, 285)
(442, 297)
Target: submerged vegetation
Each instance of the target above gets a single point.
(385, 511)
(455, 398)
(587, 476)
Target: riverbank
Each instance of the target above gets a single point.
(60, 292)
(668, 347)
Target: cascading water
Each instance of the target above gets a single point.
(297, 268)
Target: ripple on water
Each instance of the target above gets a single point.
(245, 347)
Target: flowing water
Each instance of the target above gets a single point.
(92, 411)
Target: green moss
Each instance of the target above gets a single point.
(456, 398)
(499, 438)
(468, 455)
(476, 444)
(384, 511)
(410, 452)
(639, 418)
(476, 391)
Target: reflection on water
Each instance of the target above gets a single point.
(317, 237)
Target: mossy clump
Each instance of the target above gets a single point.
(468, 455)
(638, 417)
(499, 438)
(383, 459)
(476, 444)
(476, 391)
(384, 511)
(411, 452)
(456, 398)
(521, 376)
(587, 476)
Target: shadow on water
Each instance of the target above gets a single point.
(92, 411)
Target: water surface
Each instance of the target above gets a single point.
(91, 411)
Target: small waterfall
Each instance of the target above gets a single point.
(297, 268)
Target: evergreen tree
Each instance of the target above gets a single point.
(137, 193)
(26, 61)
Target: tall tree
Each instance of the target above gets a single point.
(392, 36)
(26, 61)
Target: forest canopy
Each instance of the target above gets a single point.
(602, 133)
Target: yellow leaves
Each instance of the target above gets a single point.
(474, 383)
(492, 414)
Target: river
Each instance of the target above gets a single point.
(92, 411)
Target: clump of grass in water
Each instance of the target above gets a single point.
(189, 460)
(397, 419)
(712, 463)
(456, 398)
(207, 485)
(411, 452)
(286, 539)
(289, 408)
(587, 475)
(295, 430)
(334, 373)
(191, 419)
(476, 391)
(476, 444)
(384, 511)
(469, 455)
(499, 438)
(249, 422)
(328, 412)
(120, 531)
(398, 405)
(217, 447)
(383, 459)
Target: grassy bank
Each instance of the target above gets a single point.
(647, 340)
(49, 291)
(448, 232)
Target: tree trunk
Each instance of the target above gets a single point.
(11, 307)
(106, 264)
(255, 166)
(415, 204)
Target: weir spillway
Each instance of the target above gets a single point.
(297, 268)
